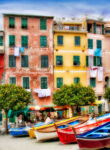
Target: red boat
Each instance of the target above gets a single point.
(67, 136)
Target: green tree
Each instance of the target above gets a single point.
(107, 94)
(74, 95)
(13, 97)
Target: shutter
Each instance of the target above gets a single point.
(24, 61)
(43, 24)
(11, 22)
(59, 40)
(77, 40)
(93, 82)
(76, 60)
(102, 29)
(1, 40)
(26, 82)
(24, 41)
(90, 43)
(99, 44)
(24, 23)
(12, 80)
(99, 61)
(43, 41)
(43, 82)
(59, 60)
(59, 82)
(87, 62)
(44, 61)
(12, 61)
(76, 80)
(94, 27)
(11, 40)
(95, 59)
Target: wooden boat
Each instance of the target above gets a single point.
(67, 136)
(96, 138)
(49, 127)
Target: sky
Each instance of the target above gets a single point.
(58, 8)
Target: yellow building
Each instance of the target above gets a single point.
(70, 50)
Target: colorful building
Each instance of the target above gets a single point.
(70, 48)
(29, 54)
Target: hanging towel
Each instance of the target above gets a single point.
(97, 52)
(93, 73)
(90, 61)
(22, 49)
(43, 92)
(66, 27)
(100, 73)
(16, 51)
(91, 52)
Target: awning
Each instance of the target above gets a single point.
(99, 102)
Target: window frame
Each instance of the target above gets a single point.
(29, 81)
(41, 82)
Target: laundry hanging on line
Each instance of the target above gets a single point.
(93, 72)
(97, 52)
(90, 61)
(100, 73)
(91, 52)
(16, 51)
(22, 49)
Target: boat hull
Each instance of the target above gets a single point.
(18, 132)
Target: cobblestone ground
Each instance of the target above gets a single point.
(25, 143)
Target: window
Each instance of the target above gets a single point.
(43, 24)
(26, 82)
(24, 61)
(87, 61)
(12, 61)
(97, 61)
(24, 41)
(44, 61)
(12, 40)
(93, 82)
(43, 41)
(59, 60)
(59, 40)
(103, 29)
(24, 23)
(90, 43)
(12, 80)
(94, 27)
(99, 44)
(1, 40)
(77, 40)
(76, 60)
(89, 28)
(11, 22)
(59, 82)
(76, 80)
(44, 83)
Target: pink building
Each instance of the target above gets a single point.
(29, 54)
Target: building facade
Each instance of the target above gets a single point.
(70, 48)
(29, 54)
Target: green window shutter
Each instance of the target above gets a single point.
(94, 27)
(76, 60)
(1, 40)
(59, 60)
(59, 82)
(11, 22)
(76, 80)
(95, 60)
(24, 23)
(44, 61)
(43, 24)
(11, 40)
(99, 61)
(59, 40)
(93, 82)
(102, 29)
(26, 82)
(12, 80)
(24, 41)
(99, 44)
(24, 61)
(87, 61)
(77, 40)
(90, 43)
(43, 41)
(12, 61)
(44, 83)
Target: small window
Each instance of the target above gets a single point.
(59, 40)
(12, 40)
(59, 82)
(44, 61)
(76, 80)
(99, 44)
(12, 80)
(59, 60)
(97, 61)
(77, 40)
(43, 24)
(11, 22)
(26, 82)
(87, 61)
(90, 43)
(43, 41)
(12, 61)
(24, 41)
(24, 61)
(1, 40)
(93, 82)
(44, 83)
(24, 23)
(76, 60)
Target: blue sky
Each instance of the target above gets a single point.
(58, 8)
